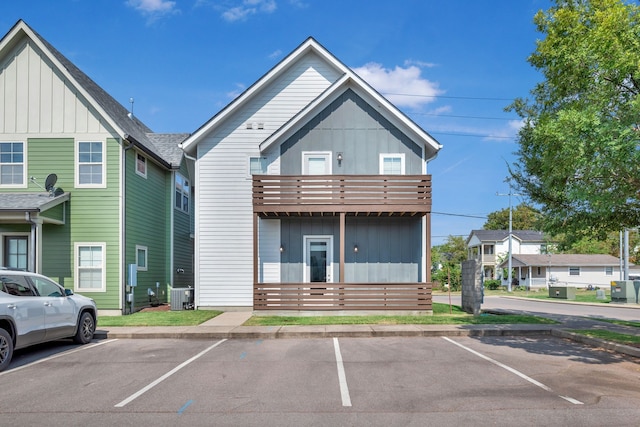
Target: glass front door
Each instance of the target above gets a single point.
(318, 259)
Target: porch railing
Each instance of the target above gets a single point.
(342, 193)
(342, 296)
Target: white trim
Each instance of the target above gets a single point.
(76, 275)
(305, 161)
(392, 156)
(146, 258)
(307, 239)
(24, 184)
(103, 184)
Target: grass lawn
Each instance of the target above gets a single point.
(632, 340)
(440, 316)
(582, 295)
(159, 318)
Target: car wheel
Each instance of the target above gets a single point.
(86, 328)
(6, 349)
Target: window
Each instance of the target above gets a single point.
(488, 249)
(257, 165)
(574, 271)
(391, 164)
(12, 167)
(16, 252)
(608, 271)
(15, 285)
(90, 268)
(183, 191)
(141, 258)
(90, 164)
(141, 165)
(46, 288)
(316, 162)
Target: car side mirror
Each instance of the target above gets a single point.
(68, 292)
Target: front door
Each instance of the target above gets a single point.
(318, 263)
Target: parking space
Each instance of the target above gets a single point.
(359, 381)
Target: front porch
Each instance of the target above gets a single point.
(339, 197)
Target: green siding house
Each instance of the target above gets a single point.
(86, 189)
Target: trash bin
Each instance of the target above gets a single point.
(181, 299)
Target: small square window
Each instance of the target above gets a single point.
(141, 258)
(391, 164)
(257, 165)
(574, 271)
(608, 271)
(12, 164)
(141, 165)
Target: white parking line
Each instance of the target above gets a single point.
(342, 378)
(514, 371)
(65, 353)
(167, 375)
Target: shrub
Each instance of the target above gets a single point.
(492, 284)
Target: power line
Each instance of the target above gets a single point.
(474, 135)
(460, 117)
(462, 215)
(477, 98)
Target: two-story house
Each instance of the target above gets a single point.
(312, 194)
(86, 189)
(491, 247)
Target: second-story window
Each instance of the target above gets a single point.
(90, 164)
(182, 193)
(141, 165)
(392, 164)
(12, 164)
(257, 165)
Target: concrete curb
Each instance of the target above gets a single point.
(597, 342)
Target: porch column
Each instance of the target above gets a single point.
(255, 249)
(427, 259)
(342, 227)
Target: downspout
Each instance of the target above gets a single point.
(124, 222)
(194, 256)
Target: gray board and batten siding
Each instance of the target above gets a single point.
(352, 127)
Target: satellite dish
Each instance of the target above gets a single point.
(57, 192)
(51, 180)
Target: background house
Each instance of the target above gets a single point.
(122, 196)
(310, 176)
(491, 247)
(539, 271)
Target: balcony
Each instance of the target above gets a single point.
(314, 195)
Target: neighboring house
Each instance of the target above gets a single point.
(123, 195)
(312, 189)
(491, 247)
(540, 271)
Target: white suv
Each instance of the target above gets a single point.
(35, 309)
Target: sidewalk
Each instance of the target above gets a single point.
(229, 325)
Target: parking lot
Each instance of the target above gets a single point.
(346, 381)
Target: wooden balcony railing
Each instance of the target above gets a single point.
(342, 296)
(276, 194)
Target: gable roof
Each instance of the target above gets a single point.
(525, 236)
(348, 79)
(563, 260)
(128, 128)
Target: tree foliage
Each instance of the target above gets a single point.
(446, 261)
(523, 217)
(578, 148)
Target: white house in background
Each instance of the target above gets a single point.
(310, 175)
(491, 247)
(538, 271)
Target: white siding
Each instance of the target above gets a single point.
(35, 99)
(224, 221)
(589, 275)
(269, 256)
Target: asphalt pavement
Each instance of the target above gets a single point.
(230, 325)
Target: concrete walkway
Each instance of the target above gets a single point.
(230, 325)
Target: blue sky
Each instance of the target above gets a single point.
(450, 65)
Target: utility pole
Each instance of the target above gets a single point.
(509, 274)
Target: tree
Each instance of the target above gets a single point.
(579, 156)
(524, 217)
(446, 260)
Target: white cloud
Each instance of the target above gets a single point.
(421, 64)
(510, 131)
(233, 94)
(275, 54)
(247, 8)
(404, 87)
(153, 9)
